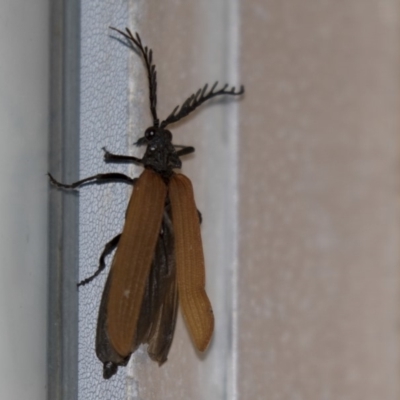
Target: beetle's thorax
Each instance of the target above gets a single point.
(160, 153)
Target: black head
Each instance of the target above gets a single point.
(160, 153)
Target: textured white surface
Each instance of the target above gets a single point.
(104, 122)
(24, 90)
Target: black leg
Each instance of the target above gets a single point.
(99, 178)
(184, 150)
(109, 247)
(117, 158)
(200, 216)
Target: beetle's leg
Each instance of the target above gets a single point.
(184, 150)
(200, 217)
(108, 248)
(99, 178)
(117, 158)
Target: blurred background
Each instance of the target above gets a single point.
(297, 182)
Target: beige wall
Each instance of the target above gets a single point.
(319, 193)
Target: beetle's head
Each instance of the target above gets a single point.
(160, 152)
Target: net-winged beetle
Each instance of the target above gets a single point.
(159, 259)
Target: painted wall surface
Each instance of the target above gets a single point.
(319, 201)
(24, 91)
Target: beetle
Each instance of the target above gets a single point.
(158, 261)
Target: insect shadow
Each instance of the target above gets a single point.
(159, 261)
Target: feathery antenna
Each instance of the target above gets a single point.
(198, 98)
(151, 69)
